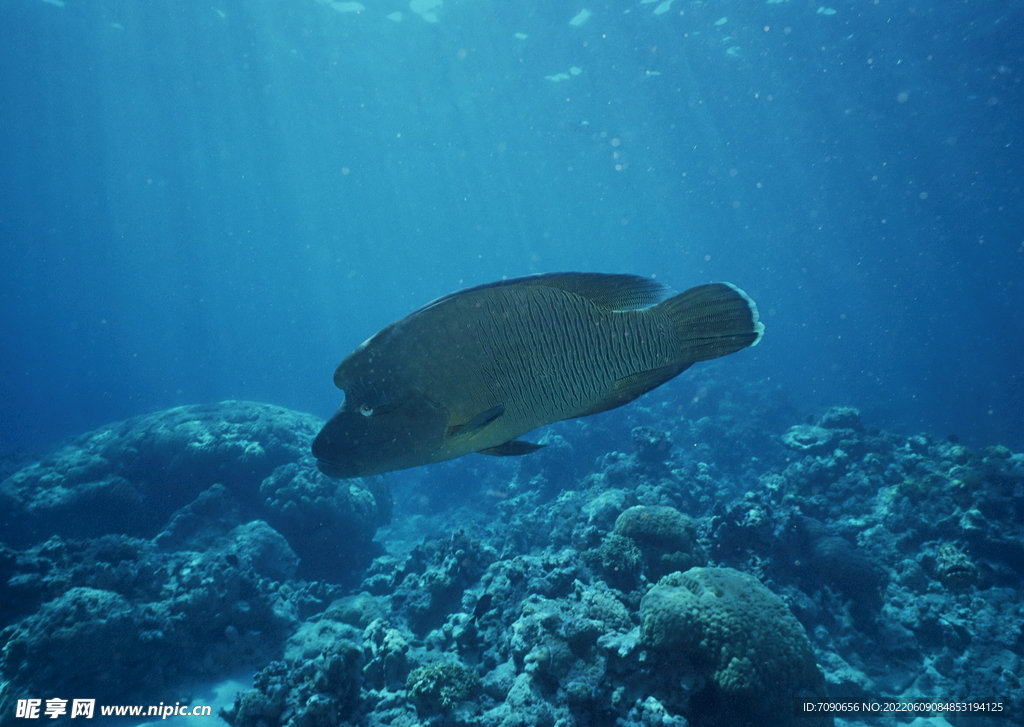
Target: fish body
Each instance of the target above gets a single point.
(475, 370)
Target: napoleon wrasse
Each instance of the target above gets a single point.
(474, 370)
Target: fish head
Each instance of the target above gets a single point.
(373, 433)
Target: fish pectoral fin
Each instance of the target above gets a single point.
(478, 422)
(514, 448)
(630, 387)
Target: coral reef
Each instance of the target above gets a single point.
(665, 537)
(130, 479)
(165, 549)
(316, 683)
(742, 638)
(117, 616)
(439, 687)
(694, 564)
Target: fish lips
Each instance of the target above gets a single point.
(353, 445)
(336, 445)
(338, 470)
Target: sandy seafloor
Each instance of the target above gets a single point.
(647, 567)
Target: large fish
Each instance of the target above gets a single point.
(474, 370)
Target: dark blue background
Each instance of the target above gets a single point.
(196, 207)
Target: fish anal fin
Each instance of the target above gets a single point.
(478, 422)
(630, 387)
(514, 448)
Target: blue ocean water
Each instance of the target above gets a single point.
(218, 200)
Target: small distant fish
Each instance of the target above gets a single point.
(483, 604)
(474, 370)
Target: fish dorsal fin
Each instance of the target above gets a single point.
(617, 292)
(612, 291)
(478, 422)
(630, 387)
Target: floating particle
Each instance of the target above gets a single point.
(581, 17)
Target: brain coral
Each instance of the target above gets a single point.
(664, 527)
(666, 537)
(740, 635)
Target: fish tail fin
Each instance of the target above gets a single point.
(713, 320)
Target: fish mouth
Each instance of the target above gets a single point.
(336, 470)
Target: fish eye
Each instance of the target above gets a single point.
(366, 410)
